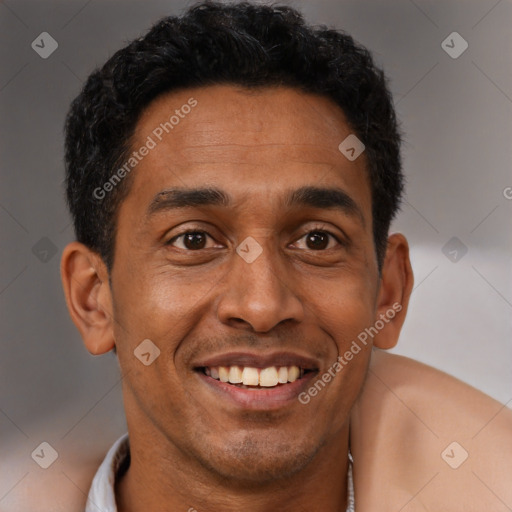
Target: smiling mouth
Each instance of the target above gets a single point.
(248, 377)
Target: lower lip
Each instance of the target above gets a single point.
(261, 398)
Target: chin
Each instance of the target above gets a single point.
(250, 460)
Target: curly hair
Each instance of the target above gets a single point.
(213, 43)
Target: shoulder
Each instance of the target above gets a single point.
(63, 486)
(429, 440)
(66, 482)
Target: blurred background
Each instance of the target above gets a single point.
(453, 94)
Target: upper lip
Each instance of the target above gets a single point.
(258, 360)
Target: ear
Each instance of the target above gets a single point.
(395, 290)
(88, 296)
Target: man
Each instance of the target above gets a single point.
(232, 177)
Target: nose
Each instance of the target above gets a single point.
(259, 295)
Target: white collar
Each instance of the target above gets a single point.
(102, 498)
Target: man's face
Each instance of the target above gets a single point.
(300, 302)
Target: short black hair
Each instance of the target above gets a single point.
(213, 43)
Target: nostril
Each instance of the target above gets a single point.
(238, 321)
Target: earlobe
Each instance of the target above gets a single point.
(395, 290)
(88, 296)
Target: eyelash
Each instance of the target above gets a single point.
(315, 230)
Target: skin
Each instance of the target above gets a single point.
(191, 447)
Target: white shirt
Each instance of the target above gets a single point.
(102, 498)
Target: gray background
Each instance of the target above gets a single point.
(457, 117)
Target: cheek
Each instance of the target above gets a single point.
(344, 307)
(162, 306)
(150, 301)
(152, 315)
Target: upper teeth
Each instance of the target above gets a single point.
(249, 376)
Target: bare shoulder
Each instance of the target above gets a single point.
(447, 400)
(63, 486)
(442, 444)
(64, 482)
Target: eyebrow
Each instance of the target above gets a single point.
(322, 198)
(172, 199)
(325, 198)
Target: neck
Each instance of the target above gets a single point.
(161, 477)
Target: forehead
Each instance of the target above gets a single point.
(252, 142)
(237, 115)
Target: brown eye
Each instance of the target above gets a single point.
(317, 240)
(194, 240)
(191, 240)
